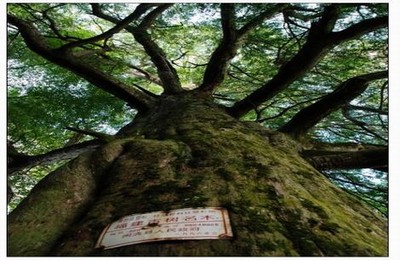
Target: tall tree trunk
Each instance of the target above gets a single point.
(186, 152)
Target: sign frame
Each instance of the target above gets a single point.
(179, 224)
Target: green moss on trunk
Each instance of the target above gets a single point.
(195, 155)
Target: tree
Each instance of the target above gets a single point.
(262, 109)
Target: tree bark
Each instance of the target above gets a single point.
(187, 152)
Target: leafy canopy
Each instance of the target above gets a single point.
(44, 98)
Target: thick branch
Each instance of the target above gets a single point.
(319, 42)
(316, 47)
(228, 21)
(65, 153)
(357, 30)
(322, 148)
(232, 40)
(38, 44)
(167, 73)
(308, 117)
(371, 158)
(218, 65)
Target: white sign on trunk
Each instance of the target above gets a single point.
(180, 224)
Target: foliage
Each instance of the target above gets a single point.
(368, 185)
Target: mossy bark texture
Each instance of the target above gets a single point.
(186, 152)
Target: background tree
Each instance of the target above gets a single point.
(251, 107)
